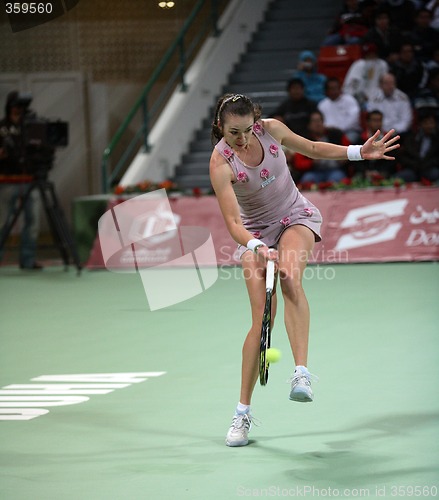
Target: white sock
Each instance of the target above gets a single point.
(241, 409)
(301, 368)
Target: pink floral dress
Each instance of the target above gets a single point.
(267, 195)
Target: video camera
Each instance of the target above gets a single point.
(40, 136)
(40, 131)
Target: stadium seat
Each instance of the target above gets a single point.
(335, 60)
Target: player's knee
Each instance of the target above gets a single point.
(292, 289)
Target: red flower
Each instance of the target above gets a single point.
(347, 181)
(119, 190)
(306, 186)
(143, 186)
(425, 182)
(376, 179)
(196, 191)
(167, 184)
(325, 185)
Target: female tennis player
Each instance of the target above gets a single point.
(271, 220)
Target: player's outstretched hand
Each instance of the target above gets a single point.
(374, 149)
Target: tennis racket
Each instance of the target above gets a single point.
(266, 325)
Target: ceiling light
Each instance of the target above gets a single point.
(166, 5)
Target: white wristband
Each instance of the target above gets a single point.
(252, 244)
(354, 153)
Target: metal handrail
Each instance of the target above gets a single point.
(142, 101)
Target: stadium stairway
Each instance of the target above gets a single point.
(262, 72)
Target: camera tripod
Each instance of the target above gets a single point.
(55, 217)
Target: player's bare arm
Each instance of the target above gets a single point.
(373, 149)
(221, 177)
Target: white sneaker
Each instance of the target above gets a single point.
(238, 432)
(301, 385)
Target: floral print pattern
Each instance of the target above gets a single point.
(274, 150)
(257, 128)
(242, 177)
(264, 173)
(228, 153)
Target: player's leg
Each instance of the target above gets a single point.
(295, 246)
(254, 274)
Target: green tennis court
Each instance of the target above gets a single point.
(372, 431)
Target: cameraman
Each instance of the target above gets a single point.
(15, 179)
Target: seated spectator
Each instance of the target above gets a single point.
(425, 39)
(374, 122)
(419, 152)
(402, 13)
(307, 71)
(428, 97)
(394, 104)
(363, 76)
(368, 11)
(295, 110)
(349, 27)
(372, 168)
(433, 63)
(433, 7)
(409, 72)
(384, 36)
(341, 110)
(316, 171)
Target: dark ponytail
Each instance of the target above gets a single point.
(233, 104)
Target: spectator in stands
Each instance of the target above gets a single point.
(307, 71)
(368, 10)
(384, 36)
(433, 7)
(419, 153)
(372, 168)
(374, 122)
(316, 171)
(402, 13)
(349, 27)
(295, 110)
(409, 72)
(424, 38)
(434, 61)
(428, 97)
(341, 110)
(363, 76)
(394, 104)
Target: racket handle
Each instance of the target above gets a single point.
(269, 279)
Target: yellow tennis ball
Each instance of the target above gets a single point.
(273, 355)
